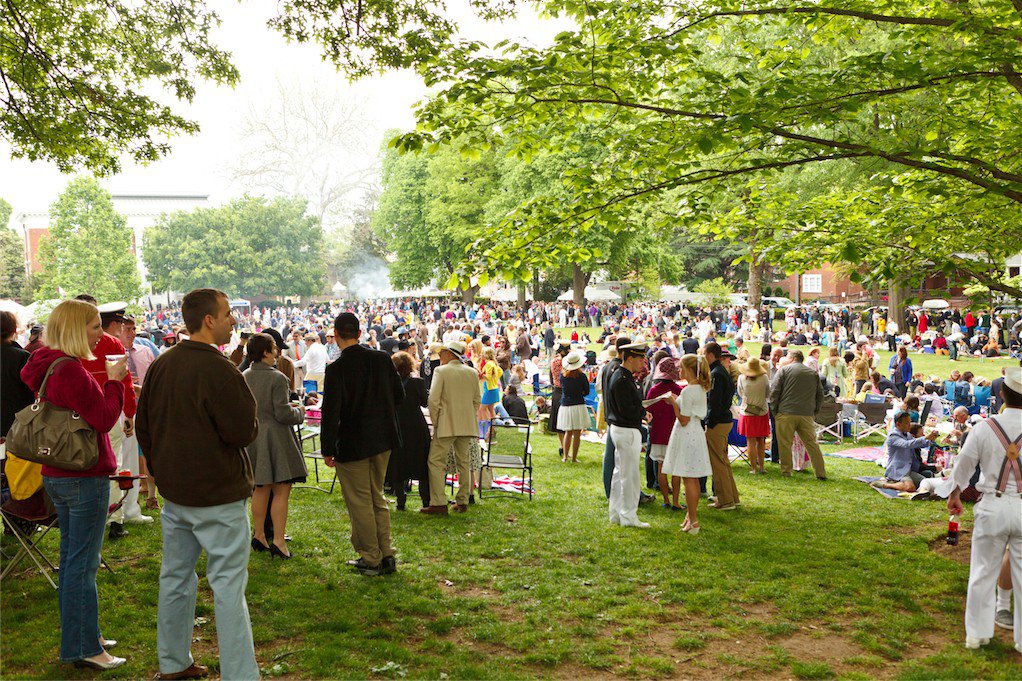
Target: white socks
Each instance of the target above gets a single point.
(1003, 599)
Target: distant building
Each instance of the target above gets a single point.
(140, 210)
(828, 285)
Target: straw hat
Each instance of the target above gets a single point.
(752, 368)
(573, 361)
(1013, 378)
(456, 348)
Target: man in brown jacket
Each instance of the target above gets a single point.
(195, 416)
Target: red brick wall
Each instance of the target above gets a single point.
(33, 237)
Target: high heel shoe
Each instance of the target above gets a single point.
(692, 529)
(275, 552)
(259, 546)
(86, 663)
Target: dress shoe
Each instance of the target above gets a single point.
(196, 671)
(88, 663)
(388, 566)
(107, 643)
(275, 552)
(366, 568)
(460, 508)
(258, 545)
(434, 510)
(117, 531)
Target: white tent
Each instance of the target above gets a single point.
(506, 295)
(23, 313)
(936, 304)
(592, 294)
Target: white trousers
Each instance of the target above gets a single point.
(624, 485)
(126, 452)
(997, 524)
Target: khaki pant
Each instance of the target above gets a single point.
(723, 479)
(805, 426)
(362, 486)
(438, 468)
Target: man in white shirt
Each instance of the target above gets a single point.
(314, 361)
(993, 445)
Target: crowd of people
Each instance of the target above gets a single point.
(201, 402)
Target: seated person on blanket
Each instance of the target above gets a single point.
(903, 472)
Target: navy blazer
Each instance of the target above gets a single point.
(361, 395)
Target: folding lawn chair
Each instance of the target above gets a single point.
(307, 433)
(873, 421)
(737, 445)
(829, 422)
(925, 413)
(508, 448)
(29, 521)
(980, 398)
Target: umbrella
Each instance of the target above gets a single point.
(936, 304)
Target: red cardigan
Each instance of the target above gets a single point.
(71, 386)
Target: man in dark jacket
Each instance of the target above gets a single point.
(515, 405)
(718, 426)
(361, 394)
(195, 417)
(624, 413)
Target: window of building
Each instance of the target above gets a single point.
(812, 283)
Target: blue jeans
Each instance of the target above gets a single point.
(81, 505)
(223, 533)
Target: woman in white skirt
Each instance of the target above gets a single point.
(686, 454)
(573, 416)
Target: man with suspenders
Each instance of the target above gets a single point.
(994, 446)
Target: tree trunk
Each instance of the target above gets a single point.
(521, 296)
(579, 281)
(896, 306)
(468, 295)
(756, 269)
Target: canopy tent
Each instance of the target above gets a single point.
(239, 302)
(592, 294)
(936, 304)
(507, 295)
(424, 292)
(23, 313)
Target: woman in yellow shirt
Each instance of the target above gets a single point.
(489, 373)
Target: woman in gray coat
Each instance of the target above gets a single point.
(277, 461)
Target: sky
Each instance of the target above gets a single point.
(203, 163)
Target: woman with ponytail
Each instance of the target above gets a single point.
(687, 456)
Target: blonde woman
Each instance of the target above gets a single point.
(834, 370)
(80, 497)
(753, 416)
(489, 373)
(687, 455)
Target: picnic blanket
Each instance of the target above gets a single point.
(860, 454)
(889, 493)
(505, 483)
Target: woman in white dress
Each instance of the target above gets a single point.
(686, 454)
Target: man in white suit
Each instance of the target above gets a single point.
(454, 399)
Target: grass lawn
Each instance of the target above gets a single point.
(806, 580)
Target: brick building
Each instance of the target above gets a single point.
(828, 285)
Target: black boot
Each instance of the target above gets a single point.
(117, 531)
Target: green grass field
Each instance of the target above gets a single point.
(806, 580)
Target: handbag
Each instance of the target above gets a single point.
(51, 435)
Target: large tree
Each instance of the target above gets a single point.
(12, 257)
(703, 92)
(76, 77)
(251, 246)
(90, 248)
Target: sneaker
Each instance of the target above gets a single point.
(117, 531)
(366, 568)
(139, 520)
(388, 566)
(1004, 620)
(637, 523)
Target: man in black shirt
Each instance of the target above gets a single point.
(718, 426)
(624, 413)
(389, 343)
(690, 345)
(515, 405)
